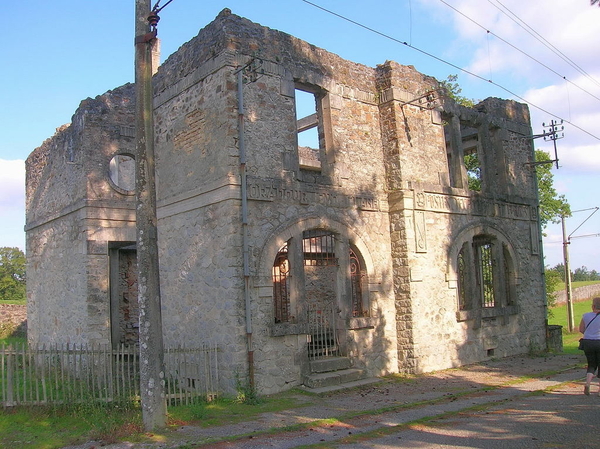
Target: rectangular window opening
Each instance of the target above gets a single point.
(307, 126)
(470, 139)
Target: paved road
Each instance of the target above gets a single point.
(519, 402)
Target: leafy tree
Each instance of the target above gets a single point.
(552, 205)
(583, 274)
(473, 171)
(12, 274)
(453, 90)
(560, 269)
(553, 279)
(580, 274)
(595, 2)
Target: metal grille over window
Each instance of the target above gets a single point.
(319, 248)
(486, 274)
(281, 293)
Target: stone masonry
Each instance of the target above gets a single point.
(371, 229)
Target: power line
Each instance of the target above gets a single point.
(542, 40)
(519, 50)
(437, 58)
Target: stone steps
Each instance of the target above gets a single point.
(332, 374)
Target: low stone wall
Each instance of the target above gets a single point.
(579, 293)
(13, 320)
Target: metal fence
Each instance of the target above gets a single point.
(323, 338)
(83, 373)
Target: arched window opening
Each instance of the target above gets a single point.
(357, 275)
(281, 292)
(485, 272)
(486, 277)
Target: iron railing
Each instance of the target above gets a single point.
(62, 374)
(323, 337)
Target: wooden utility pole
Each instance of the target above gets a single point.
(569, 290)
(152, 389)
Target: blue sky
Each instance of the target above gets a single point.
(55, 54)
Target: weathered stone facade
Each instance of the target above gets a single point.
(374, 220)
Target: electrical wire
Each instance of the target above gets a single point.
(519, 50)
(437, 58)
(542, 40)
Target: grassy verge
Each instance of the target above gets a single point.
(560, 317)
(574, 285)
(56, 427)
(12, 340)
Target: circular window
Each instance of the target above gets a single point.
(122, 173)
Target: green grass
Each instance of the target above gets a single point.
(21, 302)
(13, 340)
(560, 316)
(574, 285)
(56, 427)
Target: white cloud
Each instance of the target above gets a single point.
(12, 182)
(12, 202)
(524, 37)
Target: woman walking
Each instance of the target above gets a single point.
(590, 328)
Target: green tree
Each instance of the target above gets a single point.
(452, 88)
(552, 205)
(473, 172)
(560, 269)
(12, 274)
(553, 279)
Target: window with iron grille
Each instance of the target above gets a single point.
(485, 271)
(485, 274)
(281, 293)
(319, 248)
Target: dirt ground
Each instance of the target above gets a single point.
(392, 400)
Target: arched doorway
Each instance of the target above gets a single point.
(318, 283)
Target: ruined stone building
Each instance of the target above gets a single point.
(378, 222)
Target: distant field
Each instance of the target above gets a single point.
(559, 316)
(562, 286)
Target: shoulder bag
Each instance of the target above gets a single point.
(581, 340)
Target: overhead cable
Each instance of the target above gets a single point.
(519, 50)
(437, 58)
(542, 40)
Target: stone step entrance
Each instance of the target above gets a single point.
(332, 374)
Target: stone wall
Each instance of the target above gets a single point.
(387, 181)
(75, 210)
(13, 318)
(579, 293)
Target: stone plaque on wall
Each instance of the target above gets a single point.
(420, 232)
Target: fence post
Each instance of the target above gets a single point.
(9, 378)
